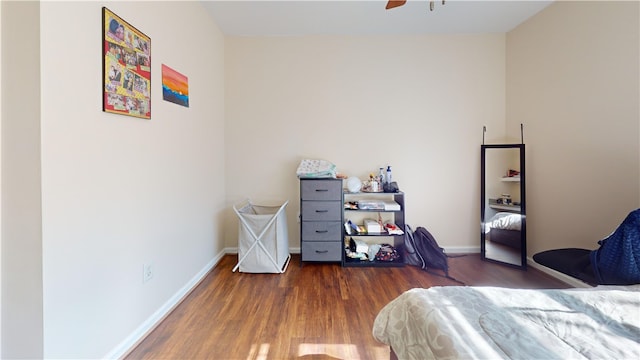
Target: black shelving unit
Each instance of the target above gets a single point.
(356, 215)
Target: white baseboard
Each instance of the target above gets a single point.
(148, 325)
(154, 320)
(462, 250)
(558, 275)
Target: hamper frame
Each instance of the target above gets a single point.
(257, 237)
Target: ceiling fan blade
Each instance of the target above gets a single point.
(391, 4)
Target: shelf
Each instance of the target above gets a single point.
(510, 179)
(380, 202)
(367, 194)
(367, 263)
(395, 213)
(374, 234)
(512, 208)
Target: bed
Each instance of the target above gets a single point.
(505, 228)
(456, 322)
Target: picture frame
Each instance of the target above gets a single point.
(126, 68)
(175, 86)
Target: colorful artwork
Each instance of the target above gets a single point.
(126, 68)
(175, 86)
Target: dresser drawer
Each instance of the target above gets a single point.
(321, 189)
(321, 210)
(321, 251)
(321, 231)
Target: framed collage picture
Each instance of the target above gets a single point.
(126, 68)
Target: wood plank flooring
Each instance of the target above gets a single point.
(317, 311)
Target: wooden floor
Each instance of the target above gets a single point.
(317, 311)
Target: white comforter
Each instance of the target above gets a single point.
(505, 221)
(496, 323)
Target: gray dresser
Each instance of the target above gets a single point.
(321, 219)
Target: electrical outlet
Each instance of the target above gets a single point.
(147, 272)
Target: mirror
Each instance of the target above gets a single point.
(503, 210)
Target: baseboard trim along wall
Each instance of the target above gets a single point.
(462, 250)
(154, 320)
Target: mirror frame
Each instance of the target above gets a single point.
(523, 203)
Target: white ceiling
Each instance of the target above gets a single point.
(368, 17)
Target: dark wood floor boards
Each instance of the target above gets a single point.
(315, 311)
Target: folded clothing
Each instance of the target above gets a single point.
(358, 249)
(316, 169)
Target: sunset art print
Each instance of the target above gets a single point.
(175, 86)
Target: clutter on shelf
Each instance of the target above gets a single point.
(358, 249)
(374, 222)
(393, 229)
(513, 173)
(351, 228)
(382, 182)
(372, 184)
(372, 227)
(370, 205)
(386, 205)
(387, 253)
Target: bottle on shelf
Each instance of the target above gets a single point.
(381, 176)
(389, 179)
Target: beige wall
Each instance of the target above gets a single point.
(569, 75)
(92, 196)
(417, 103)
(572, 79)
(0, 182)
(22, 294)
(118, 191)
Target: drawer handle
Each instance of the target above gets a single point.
(322, 231)
(322, 189)
(322, 211)
(322, 251)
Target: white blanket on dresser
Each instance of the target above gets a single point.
(496, 323)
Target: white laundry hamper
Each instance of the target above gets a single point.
(263, 241)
